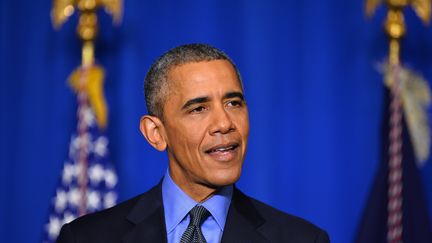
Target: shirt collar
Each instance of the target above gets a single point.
(177, 203)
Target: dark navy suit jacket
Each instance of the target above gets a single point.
(141, 219)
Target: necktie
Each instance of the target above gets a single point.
(193, 232)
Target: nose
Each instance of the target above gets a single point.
(221, 122)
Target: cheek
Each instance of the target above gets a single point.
(185, 138)
(246, 126)
(243, 125)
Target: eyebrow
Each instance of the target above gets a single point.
(234, 94)
(204, 99)
(194, 101)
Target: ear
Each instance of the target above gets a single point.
(153, 130)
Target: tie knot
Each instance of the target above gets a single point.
(198, 214)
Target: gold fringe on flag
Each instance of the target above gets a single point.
(416, 101)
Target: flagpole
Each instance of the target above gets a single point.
(87, 32)
(395, 28)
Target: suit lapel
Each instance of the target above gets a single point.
(243, 221)
(148, 219)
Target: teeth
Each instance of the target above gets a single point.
(223, 149)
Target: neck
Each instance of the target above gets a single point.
(199, 192)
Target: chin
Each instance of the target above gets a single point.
(224, 178)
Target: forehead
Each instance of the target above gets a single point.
(203, 78)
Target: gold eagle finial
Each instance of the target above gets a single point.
(63, 9)
(89, 77)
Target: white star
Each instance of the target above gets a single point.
(88, 116)
(96, 173)
(110, 199)
(79, 142)
(110, 178)
(68, 173)
(79, 169)
(100, 146)
(74, 197)
(60, 201)
(53, 227)
(68, 217)
(93, 200)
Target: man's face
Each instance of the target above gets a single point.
(206, 124)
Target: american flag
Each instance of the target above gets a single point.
(88, 180)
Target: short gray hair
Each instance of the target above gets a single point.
(156, 80)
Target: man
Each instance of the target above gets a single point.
(198, 114)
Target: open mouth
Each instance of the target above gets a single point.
(222, 148)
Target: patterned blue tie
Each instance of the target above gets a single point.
(193, 233)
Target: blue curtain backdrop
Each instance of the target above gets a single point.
(314, 95)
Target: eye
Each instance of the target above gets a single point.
(235, 103)
(198, 109)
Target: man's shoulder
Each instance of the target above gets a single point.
(276, 216)
(276, 223)
(107, 225)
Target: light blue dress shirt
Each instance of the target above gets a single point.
(177, 205)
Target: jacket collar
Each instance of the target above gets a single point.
(243, 221)
(147, 216)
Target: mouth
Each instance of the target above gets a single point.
(223, 152)
(222, 148)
